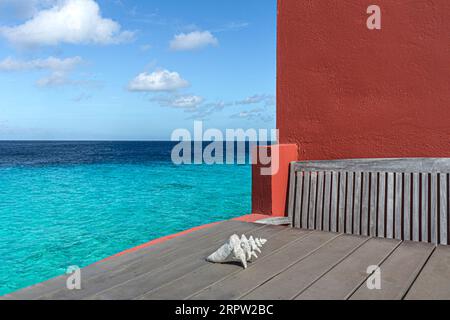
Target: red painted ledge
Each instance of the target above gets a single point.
(246, 218)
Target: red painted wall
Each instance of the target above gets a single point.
(269, 192)
(347, 92)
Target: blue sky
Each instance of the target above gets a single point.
(134, 70)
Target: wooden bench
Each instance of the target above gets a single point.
(406, 199)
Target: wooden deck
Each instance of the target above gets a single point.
(295, 264)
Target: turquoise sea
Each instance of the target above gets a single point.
(74, 203)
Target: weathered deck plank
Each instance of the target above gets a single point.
(299, 276)
(184, 261)
(150, 263)
(398, 272)
(294, 264)
(102, 267)
(203, 277)
(434, 280)
(143, 283)
(239, 284)
(350, 273)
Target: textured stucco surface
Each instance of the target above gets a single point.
(269, 192)
(344, 91)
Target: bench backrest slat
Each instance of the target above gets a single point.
(404, 199)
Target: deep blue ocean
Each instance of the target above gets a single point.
(74, 203)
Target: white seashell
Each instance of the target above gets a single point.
(263, 241)
(239, 254)
(221, 254)
(234, 240)
(241, 249)
(253, 244)
(245, 244)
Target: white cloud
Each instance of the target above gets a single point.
(191, 102)
(145, 47)
(187, 101)
(51, 63)
(199, 108)
(81, 97)
(205, 110)
(68, 21)
(54, 79)
(193, 40)
(23, 9)
(161, 80)
(233, 26)
(59, 69)
(247, 114)
(265, 99)
(252, 115)
(263, 112)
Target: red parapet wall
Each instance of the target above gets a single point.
(269, 192)
(344, 91)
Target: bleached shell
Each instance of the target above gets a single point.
(245, 244)
(221, 254)
(234, 240)
(239, 254)
(253, 244)
(224, 252)
(241, 249)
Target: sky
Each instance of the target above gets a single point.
(134, 69)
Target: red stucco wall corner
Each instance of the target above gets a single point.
(344, 91)
(269, 192)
